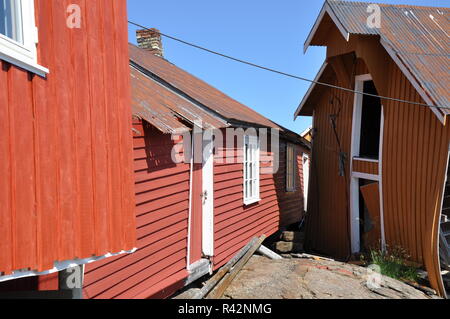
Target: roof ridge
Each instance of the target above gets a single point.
(216, 89)
(386, 5)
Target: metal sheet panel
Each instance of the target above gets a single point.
(197, 89)
(165, 109)
(418, 35)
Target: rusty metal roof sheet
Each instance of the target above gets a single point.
(415, 37)
(164, 109)
(215, 100)
(149, 105)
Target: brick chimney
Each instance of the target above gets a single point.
(150, 40)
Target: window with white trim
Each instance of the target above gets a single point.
(18, 35)
(291, 168)
(251, 170)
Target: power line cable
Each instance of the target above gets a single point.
(284, 73)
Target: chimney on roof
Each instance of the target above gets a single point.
(150, 40)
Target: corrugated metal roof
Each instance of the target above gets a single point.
(212, 98)
(164, 109)
(418, 36)
(149, 105)
(163, 93)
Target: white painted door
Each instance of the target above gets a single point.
(208, 195)
(305, 179)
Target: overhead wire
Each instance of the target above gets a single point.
(284, 73)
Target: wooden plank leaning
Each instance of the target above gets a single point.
(211, 283)
(228, 278)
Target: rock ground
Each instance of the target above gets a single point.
(294, 278)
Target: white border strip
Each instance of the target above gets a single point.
(59, 266)
(208, 191)
(370, 177)
(362, 159)
(17, 61)
(326, 9)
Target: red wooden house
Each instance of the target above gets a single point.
(194, 214)
(66, 183)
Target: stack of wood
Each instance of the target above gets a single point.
(290, 242)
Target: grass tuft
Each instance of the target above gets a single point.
(393, 263)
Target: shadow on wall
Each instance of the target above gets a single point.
(157, 144)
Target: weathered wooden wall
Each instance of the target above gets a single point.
(234, 223)
(159, 265)
(415, 147)
(66, 187)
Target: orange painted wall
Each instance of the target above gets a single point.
(66, 186)
(365, 167)
(415, 147)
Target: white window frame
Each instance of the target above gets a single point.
(291, 157)
(357, 114)
(24, 55)
(251, 169)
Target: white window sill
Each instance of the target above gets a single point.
(24, 63)
(251, 201)
(291, 190)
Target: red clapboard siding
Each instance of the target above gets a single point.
(66, 186)
(159, 265)
(235, 224)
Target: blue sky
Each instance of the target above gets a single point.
(270, 33)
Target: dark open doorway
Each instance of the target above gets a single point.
(370, 123)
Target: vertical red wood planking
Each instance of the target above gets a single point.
(65, 140)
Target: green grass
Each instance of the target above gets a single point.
(393, 263)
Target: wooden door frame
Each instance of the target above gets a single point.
(355, 176)
(208, 194)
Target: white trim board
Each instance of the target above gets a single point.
(306, 175)
(362, 159)
(357, 113)
(325, 9)
(369, 177)
(59, 266)
(208, 195)
(191, 181)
